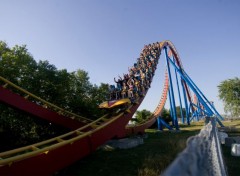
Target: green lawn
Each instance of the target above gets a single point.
(232, 162)
(149, 159)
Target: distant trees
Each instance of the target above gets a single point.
(71, 91)
(142, 115)
(166, 115)
(178, 111)
(229, 92)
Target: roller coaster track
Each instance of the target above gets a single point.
(139, 128)
(47, 157)
(38, 107)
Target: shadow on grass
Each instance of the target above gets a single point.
(148, 159)
(232, 162)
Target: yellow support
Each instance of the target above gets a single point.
(47, 104)
(23, 153)
(34, 148)
(5, 85)
(26, 97)
(60, 140)
(94, 125)
(79, 132)
(104, 119)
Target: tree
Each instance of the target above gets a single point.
(166, 115)
(71, 91)
(85, 97)
(142, 115)
(229, 93)
(17, 65)
(178, 111)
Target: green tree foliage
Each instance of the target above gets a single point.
(178, 111)
(71, 91)
(142, 115)
(229, 92)
(16, 64)
(166, 115)
(85, 96)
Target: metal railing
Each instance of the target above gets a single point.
(45, 103)
(202, 156)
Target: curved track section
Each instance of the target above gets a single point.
(163, 99)
(140, 128)
(49, 156)
(38, 107)
(46, 157)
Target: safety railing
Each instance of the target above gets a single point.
(8, 157)
(44, 103)
(202, 156)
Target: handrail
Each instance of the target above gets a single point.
(202, 156)
(71, 115)
(8, 157)
(35, 147)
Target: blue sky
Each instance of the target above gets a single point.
(104, 37)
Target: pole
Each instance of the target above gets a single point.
(171, 90)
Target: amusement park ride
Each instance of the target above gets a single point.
(47, 157)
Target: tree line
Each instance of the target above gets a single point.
(69, 90)
(229, 93)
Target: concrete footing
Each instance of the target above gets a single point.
(232, 140)
(222, 137)
(235, 150)
(124, 143)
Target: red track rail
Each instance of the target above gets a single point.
(53, 159)
(49, 156)
(140, 128)
(20, 103)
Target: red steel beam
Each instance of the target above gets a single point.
(18, 102)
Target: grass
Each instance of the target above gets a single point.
(151, 158)
(232, 162)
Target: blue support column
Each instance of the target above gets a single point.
(186, 103)
(171, 108)
(171, 90)
(198, 110)
(159, 124)
(203, 100)
(163, 123)
(185, 78)
(201, 111)
(210, 104)
(179, 95)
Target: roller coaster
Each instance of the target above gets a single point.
(49, 156)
